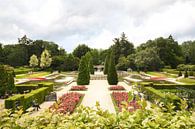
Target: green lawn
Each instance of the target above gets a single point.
(187, 80)
(160, 74)
(33, 75)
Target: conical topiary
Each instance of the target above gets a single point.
(106, 63)
(83, 76)
(186, 74)
(91, 66)
(112, 76)
(179, 74)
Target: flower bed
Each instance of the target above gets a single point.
(119, 97)
(78, 88)
(116, 88)
(67, 103)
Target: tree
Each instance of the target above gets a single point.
(122, 47)
(83, 76)
(188, 49)
(112, 76)
(123, 64)
(148, 59)
(91, 67)
(106, 63)
(81, 50)
(45, 59)
(34, 61)
(71, 63)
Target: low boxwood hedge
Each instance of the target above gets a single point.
(25, 100)
(24, 87)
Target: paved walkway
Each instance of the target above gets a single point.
(98, 91)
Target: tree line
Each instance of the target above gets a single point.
(152, 55)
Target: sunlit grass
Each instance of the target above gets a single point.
(32, 75)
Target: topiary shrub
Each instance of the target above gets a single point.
(179, 74)
(112, 76)
(106, 63)
(83, 76)
(191, 73)
(186, 74)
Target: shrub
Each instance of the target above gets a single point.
(186, 74)
(180, 74)
(20, 88)
(106, 63)
(6, 80)
(191, 73)
(11, 101)
(83, 76)
(112, 76)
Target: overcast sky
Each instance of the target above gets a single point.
(96, 22)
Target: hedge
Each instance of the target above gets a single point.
(24, 87)
(25, 100)
(154, 94)
(11, 101)
(167, 86)
(22, 70)
(171, 71)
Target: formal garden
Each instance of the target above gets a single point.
(121, 87)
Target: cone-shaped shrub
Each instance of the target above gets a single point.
(112, 76)
(91, 66)
(179, 74)
(83, 76)
(191, 73)
(186, 74)
(106, 63)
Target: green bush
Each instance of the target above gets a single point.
(83, 76)
(24, 87)
(171, 71)
(186, 74)
(25, 100)
(180, 74)
(11, 101)
(22, 70)
(106, 63)
(6, 80)
(112, 76)
(191, 73)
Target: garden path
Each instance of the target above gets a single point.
(98, 91)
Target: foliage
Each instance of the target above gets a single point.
(45, 59)
(179, 74)
(188, 48)
(34, 61)
(22, 70)
(81, 50)
(123, 64)
(67, 103)
(106, 63)
(186, 74)
(6, 80)
(71, 63)
(112, 76)
(148, 59)
(83, 76)
(122, 47)
(85, 117)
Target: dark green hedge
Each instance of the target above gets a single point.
(25, 100)
(168, 86)
(24, 87)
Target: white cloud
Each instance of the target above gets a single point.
(96, 22)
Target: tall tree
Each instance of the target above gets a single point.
(34, 61)
(188, 48)
(122, 47)
(81, 50)
(112, 76)
(45, 59)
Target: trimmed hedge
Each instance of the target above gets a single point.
(153, 94)
(25, 100)
(24, 87)
(167, 86)
(22, 70)
(171, 71)
(11, 101)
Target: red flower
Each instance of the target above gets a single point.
(116, 88)
(67, 103)
(120, 97)
(79, 88)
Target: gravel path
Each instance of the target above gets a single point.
(98, 91)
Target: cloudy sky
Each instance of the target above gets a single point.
(96, 22)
